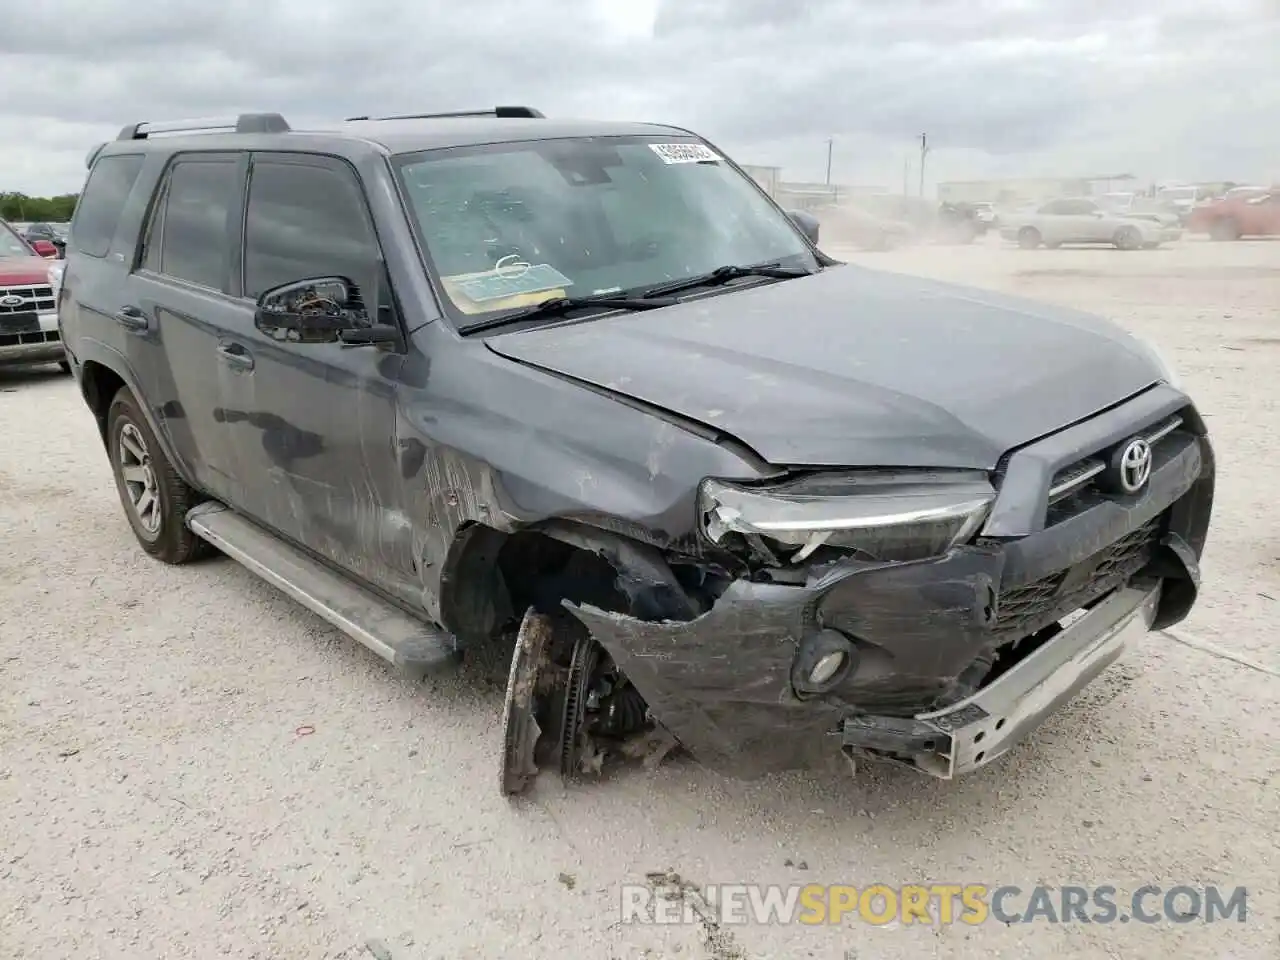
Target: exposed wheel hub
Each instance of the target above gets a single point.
(566, 704)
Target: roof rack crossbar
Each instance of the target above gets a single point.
(244, 123)
(528, 113)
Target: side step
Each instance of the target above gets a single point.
(396, 636)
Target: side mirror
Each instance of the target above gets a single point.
(320, 310)
(807, 223)
(45, 248)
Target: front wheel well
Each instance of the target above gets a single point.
(491, 578)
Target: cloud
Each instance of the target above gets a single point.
(1162, 88)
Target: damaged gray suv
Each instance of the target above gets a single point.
(456, 378)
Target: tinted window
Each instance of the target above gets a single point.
(1065, 207)
(155, 230)
(193, 244)
(304, 221)
(103, 201)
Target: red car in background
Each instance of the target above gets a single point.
(28, 303)
(1231, 218)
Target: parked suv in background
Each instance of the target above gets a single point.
(449, 378)
(46, 233)
(28, 320)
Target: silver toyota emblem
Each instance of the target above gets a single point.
(1135, 466)
(12, 300)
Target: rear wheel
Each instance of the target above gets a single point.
(1029, 238)
(1128, 238)
(155, 498)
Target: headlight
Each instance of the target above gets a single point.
(883, 515)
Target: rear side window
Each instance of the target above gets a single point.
(1068, 207)
(191, 221)
(306, 220)
(99, 209)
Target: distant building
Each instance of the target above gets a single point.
(1010, 192)
(767, 177)
(803, 195)
(796, 195)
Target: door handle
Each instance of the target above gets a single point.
(236, 356)
(131, 318)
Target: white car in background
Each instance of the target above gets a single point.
(1081, 220)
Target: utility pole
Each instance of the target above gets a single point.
(830, 146)
(906, 176)
(924, 152)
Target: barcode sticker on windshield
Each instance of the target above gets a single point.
(684, 152)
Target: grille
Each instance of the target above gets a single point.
(1024, 610)
(1075, 487)
(34, 298)
(21, 339)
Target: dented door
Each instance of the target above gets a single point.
(314, 423)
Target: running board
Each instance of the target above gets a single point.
(398, 637)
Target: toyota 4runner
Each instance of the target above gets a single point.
(451, 378)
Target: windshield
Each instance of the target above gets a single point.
(510, 225)
(11, 245)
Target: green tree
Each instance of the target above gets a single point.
(25, 209)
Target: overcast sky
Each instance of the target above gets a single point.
(1166, 89)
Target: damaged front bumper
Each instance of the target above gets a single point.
(957, 658)
(984, 726)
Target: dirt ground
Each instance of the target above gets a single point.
(193, 766)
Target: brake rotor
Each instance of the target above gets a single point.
(520, 729)
(574, 743)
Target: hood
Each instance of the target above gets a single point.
(16, 270)
(856, 367)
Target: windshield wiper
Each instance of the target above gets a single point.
(725, 274)
(557, 305)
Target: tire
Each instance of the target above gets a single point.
(1224, 229)
(160, 525)
(1029, 238)
(1128, 238)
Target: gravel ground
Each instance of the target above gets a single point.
(162, 794)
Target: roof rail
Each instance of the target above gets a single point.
(244, 123)
(528, 113)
